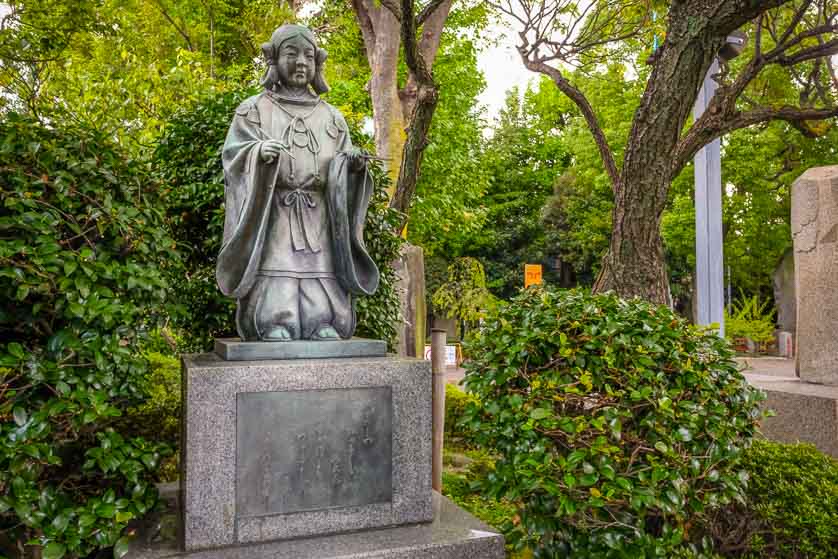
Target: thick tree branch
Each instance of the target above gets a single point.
(730, 15)
(395, 9)
(432, 27)
(430, 9)
(426, 97)
(362, 15)
(412, 57)
(716, 127)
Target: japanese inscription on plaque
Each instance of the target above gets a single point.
(313, 449)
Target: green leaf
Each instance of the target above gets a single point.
(105, 510)
(589, 479)
(575, 457)
(54, 550)
(22, 292)
(60, 522)
(660, 446)
(16, 350)
(20, 416)
(541, 413)
(121, 547)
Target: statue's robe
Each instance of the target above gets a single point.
(293, 252)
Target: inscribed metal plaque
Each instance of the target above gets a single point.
(313, 449)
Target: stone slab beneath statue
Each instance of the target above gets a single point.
(233, 349)
(453, 534)
(286, 449)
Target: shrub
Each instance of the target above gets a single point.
(158, 418)
(456, 402)
(188, 163)
(464, 295)
(616, 424)
(791, 508)
(81, 256)
(751, 319)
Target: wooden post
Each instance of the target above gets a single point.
(438, 339)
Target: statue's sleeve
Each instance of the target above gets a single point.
(349, 198)
(249, 184)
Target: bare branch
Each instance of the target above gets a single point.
(584, 106)
(580, 30)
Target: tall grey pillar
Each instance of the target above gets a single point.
(709, 255)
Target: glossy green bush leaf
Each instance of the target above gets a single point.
(615, 422)
(83, 251)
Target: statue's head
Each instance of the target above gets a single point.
(294, 59)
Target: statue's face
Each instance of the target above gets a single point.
(296, 63)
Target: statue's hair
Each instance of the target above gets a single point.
(270, 50)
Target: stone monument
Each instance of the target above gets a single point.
(806, 407)
(814, 226)
(297, 430)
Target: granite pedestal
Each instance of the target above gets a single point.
(285, 449)
(453, 534)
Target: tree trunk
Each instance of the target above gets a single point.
(635, 265)
(382, 39)
(395, 109)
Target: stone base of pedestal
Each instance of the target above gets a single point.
(287, 449)
(805, 412)
(453, 534)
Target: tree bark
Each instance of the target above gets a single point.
(396, 112)
(635, 265)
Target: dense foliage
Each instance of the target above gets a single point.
(791, 506)
(789, 509)
(616, 424)
(456, 404)
(522, 159)
(81, 276)
(464, 295)
(187, 161)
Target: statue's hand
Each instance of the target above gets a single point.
(270, 150)
(357, 159)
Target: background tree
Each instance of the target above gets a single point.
(794, 39)
(521, 158)
(402, 108)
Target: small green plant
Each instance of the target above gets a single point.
(752, 319)
(456, 402)
(464, 295)
(158, 417)
(615, 423)
(791, 506)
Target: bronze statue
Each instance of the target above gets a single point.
(297, 193)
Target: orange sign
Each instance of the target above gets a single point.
(532, 274)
